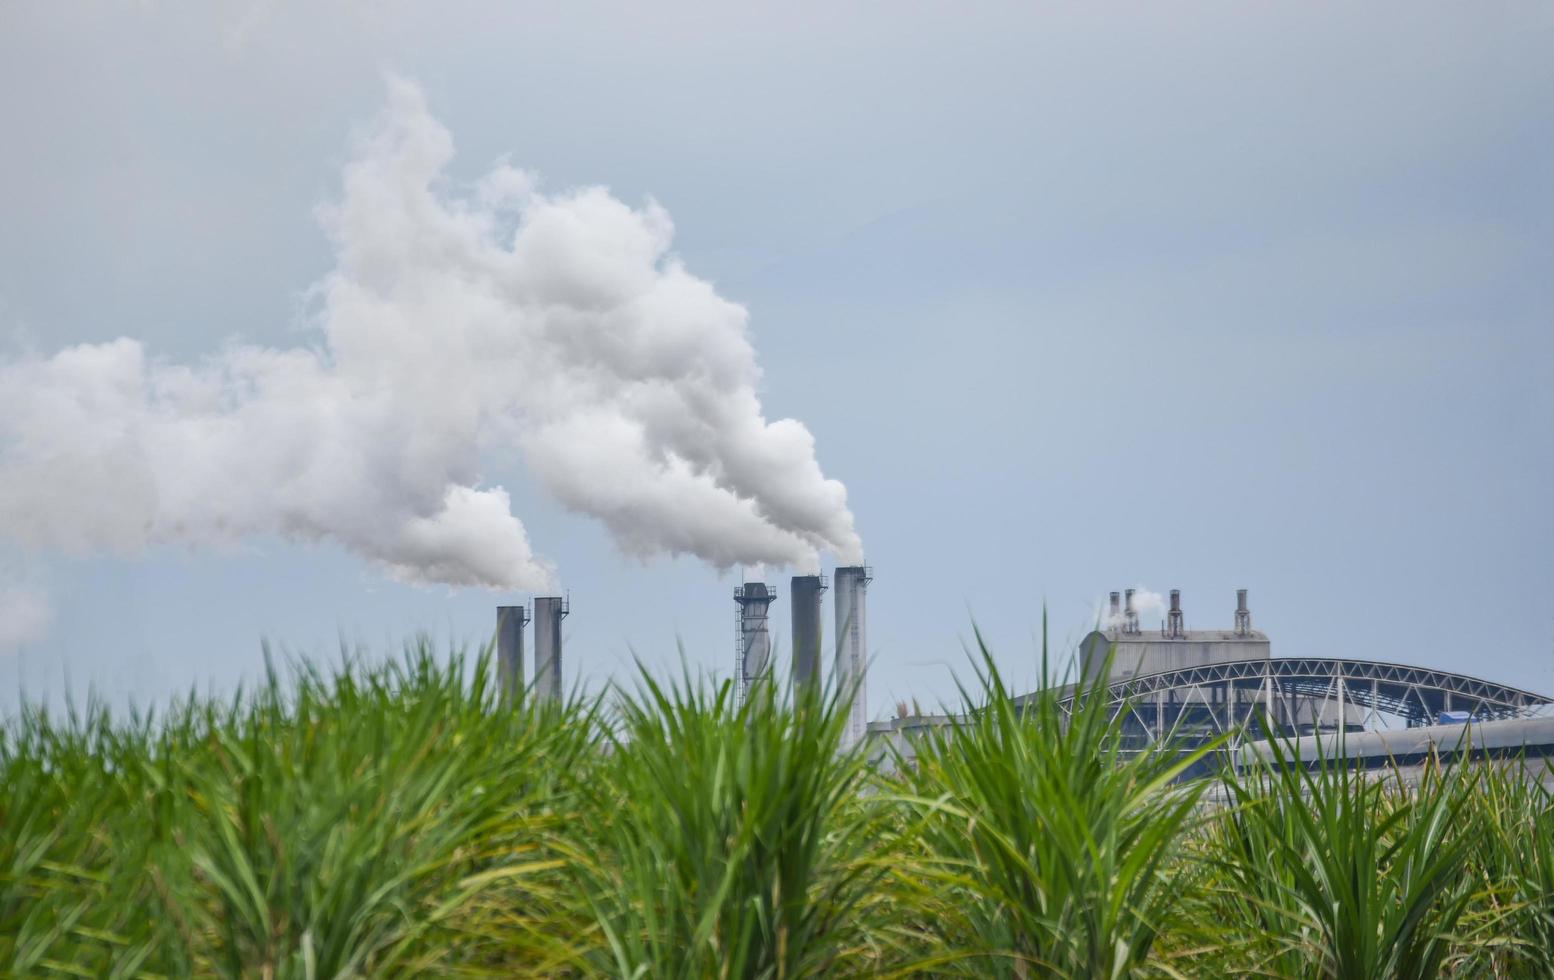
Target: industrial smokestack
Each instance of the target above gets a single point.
(755, 640)
(804, 596)
(549, 611)
(852, 584)
(1243, 614)
(1174, 617)
(510, 621)
(1130, 616)
(1116, 616)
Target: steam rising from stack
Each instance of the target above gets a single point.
(1135, 601)
(491, 321)
(1124, 615)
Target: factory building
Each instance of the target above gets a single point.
(1137, 653)
(1173, 646)
(1171, 680)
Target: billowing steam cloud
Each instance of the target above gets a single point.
(502, 320)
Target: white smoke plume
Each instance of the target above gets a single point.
(1145, 603)
(25, 616)
(454, 325)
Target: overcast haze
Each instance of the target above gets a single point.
(1210, 297)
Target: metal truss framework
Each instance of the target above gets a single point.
(1226, 696)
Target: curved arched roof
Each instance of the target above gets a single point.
(1416, 692)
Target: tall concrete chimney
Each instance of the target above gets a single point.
(755, 640)
(1243, 614)
(1116, 616)
(1174, 617)
(549, 611)
(510, 621)
(804, 596)
(852, 585)
(1130, 616)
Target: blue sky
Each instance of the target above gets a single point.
(1071, 299)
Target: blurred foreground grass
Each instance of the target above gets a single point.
(398, 820)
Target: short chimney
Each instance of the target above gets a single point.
(1116, 616)
(1130, 616)
(1174, 617)
(1243, 615)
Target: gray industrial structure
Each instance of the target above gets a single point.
(804, 596)
(1209, 682)
(510, 621)
(1308, 695)
(1171, 681)
(753, 650)
(850, 600)
(1139, 659)
(549, 611)
(1133, 652)
(1508, 740)
(1199, 684)
(1172, 647)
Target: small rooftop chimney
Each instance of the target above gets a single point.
(1174, 617)
(1130, 616)
(1116, 617)
(1243, 615)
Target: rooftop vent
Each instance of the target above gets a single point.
(1173, 626)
